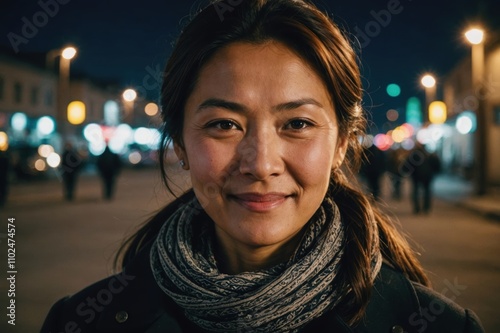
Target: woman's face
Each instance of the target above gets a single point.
(260, 139)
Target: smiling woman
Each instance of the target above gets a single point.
(254, 109)
(263, 109)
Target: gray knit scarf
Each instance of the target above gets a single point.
(281, 299)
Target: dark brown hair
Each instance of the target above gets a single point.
(315, 38)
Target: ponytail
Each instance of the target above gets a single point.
(357, 212)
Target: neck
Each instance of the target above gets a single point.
(235, 258)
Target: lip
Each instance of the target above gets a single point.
(259, 202)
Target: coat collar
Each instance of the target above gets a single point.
(140, 303)
(141, 306)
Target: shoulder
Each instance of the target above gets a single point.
(400, 304)
(125, 302)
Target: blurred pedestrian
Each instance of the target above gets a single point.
(395, 160)
(4, 176)
(109, 166)
(71, 164)
(373, 168)
(422, 167)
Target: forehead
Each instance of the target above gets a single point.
(269, 67)
(251, 55)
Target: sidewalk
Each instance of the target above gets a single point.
(461, 192)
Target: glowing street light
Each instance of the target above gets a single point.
(129, 96)
(68, 53)
(429, 83)
(63, 89)
(475, 37)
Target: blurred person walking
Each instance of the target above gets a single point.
(395, 161)
(71, 164)
(109, 166)
(422, 167)
(373, 168)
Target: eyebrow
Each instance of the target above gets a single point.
(237, 107)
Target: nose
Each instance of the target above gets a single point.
(260, 154)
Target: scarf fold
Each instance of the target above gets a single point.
(281, 299)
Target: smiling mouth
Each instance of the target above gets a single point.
(260, 202)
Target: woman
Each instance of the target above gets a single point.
(262, 102)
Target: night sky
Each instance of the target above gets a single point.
(127, 41)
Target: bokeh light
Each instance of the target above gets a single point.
(129, 95)
(45, 150)
(393, 90)
(111, 113)
(45, 126)
(19, 121)
(4, 141)
(392, 115)
(428, 81)
(97, 148)
(76, 112)
(151, 109)
(466, 122)
(134, 157)
(40, 165)
(93, 133)
(414, 111)
(437, 112)
(69, 53)
(408, 144)
(474, 36)
(53, 160)
(383, 141)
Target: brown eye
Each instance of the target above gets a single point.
(298, 124)
(226, 125)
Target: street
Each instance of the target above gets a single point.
(61, 247)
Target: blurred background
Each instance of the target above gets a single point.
(79, 76)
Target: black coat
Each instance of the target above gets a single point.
(132, 302)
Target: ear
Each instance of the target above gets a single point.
(340, 153)
(181, 155)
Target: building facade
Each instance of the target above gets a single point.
(31, 91)
(462, 102)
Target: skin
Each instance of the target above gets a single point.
(260, 139)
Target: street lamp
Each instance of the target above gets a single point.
(129, 96)
(429, 83)
(63, 88)
(475, 37)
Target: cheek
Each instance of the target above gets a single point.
(312, 162)
(208, 162)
